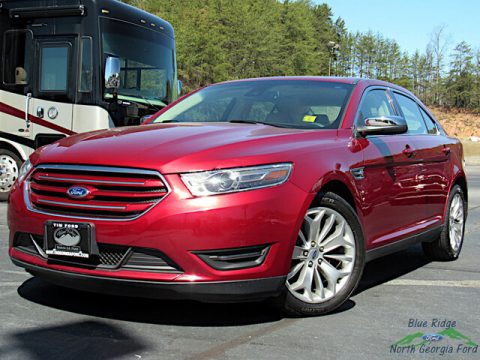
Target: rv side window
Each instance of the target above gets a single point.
(17, 55)
(54, 68)
(86, 66)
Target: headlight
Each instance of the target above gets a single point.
(24, 170)
(233, 180)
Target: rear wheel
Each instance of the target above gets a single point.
(327, 261)
(9, 166)
(449, 244)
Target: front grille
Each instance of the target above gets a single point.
(24, 243)
(112, 193)
(150, 260)
(112, 257)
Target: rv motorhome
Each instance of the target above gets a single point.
(71, 66)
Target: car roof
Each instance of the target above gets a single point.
(345, 80)
(337, 79)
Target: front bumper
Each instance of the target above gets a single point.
(181, 227)
(217, 292)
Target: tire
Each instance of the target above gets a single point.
(330, 253)
(449, 244)
(10, 165)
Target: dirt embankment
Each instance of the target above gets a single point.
(466, 126)
(458, 122)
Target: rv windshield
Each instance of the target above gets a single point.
(148, 73)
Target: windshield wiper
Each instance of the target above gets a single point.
(148, 102)
(257, 122)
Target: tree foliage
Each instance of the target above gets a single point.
(219, 40)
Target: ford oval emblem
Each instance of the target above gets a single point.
(432, 337)
(78, 192)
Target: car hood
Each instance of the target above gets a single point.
(174, 148)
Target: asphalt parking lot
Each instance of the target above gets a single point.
(42, 321)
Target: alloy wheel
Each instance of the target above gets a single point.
(456, 219)
(323, 258)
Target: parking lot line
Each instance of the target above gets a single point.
(441, 283)
(10, 283)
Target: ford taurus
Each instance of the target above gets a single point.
(276, 188)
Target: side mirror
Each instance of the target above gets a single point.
(180, 86)
(383, 125)
(112, 73)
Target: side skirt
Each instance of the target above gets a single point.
(426, 236)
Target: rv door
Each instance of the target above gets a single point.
(52, 104)
(17, 58)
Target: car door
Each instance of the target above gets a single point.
(433, 151)
(389, 190)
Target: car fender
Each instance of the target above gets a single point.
(457, 174)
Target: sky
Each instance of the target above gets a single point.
(411, 22)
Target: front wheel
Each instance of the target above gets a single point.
(9, 167)
(327, 261)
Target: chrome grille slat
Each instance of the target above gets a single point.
(115, 193)
(50, 178)
(100, 207)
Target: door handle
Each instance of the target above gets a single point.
(408, 151)
(446, 150)
(27, 108)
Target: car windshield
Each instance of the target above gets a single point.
(285, 103)
(147, 60)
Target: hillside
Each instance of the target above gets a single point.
(465, 125)
(458, 122)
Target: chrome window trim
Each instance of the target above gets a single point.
(106, 169)
(431, 118)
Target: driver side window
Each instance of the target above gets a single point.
(375, 104)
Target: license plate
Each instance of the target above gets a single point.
(69, 239)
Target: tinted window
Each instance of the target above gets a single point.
(375, 103)
(259, 111)
(86, 66)
(431, 126)
(54, 68)
(412, 115)
(17, 55)
(288, 103)
(147, 59)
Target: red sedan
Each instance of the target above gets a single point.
(265, 188)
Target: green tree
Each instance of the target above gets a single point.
(460, 82)
(222, 39)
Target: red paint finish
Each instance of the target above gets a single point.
(406, 182)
